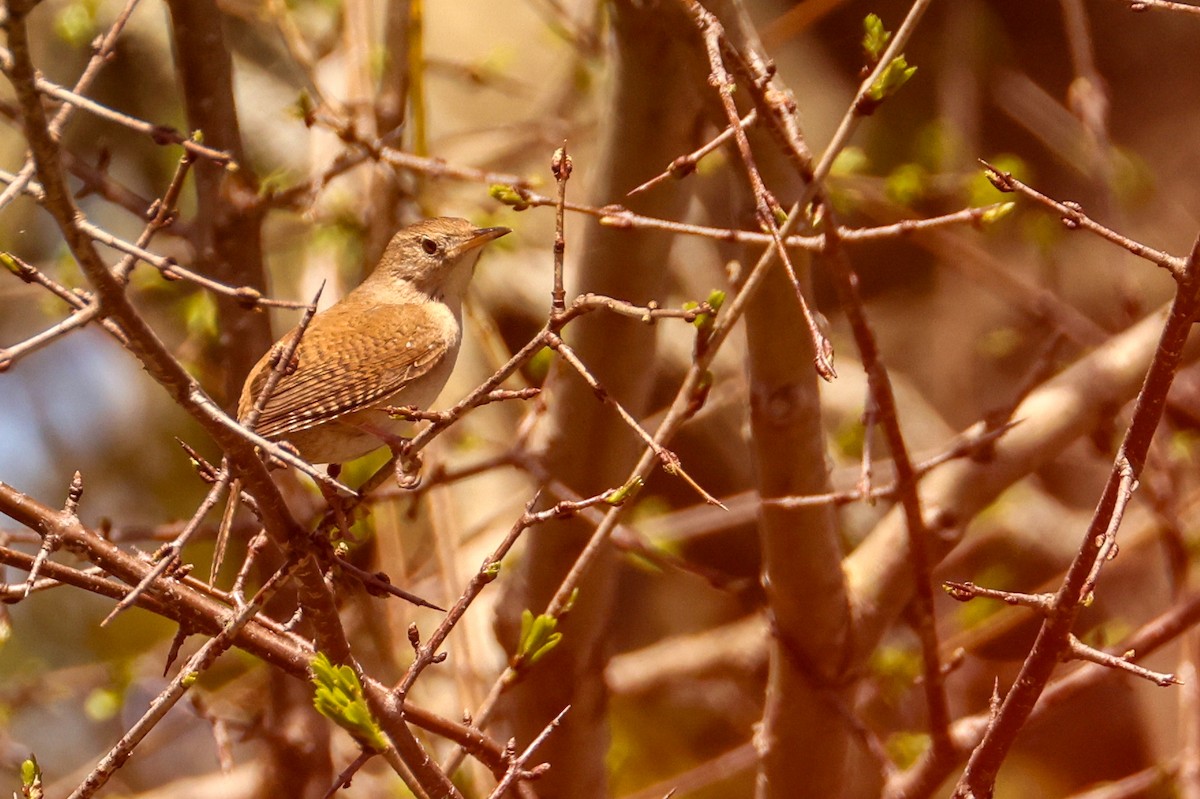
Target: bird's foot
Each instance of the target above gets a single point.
(408, 469)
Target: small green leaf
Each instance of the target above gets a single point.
(538, 637)
(875, 38)
(11, 264)
(704, 322)
(716, 298)
(997, 212)
(526, 626)
(508, 195)
(339, 698)
(31, 779)
(894, 76)
(625, 492)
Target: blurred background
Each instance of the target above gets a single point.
(1087, 101)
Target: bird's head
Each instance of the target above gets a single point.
(436, 257)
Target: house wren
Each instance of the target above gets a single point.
(391, 341)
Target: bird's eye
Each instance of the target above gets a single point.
(429, 245)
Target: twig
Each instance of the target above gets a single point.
(415, 414)
(87, 308)
(379, 583)
(166, 557)
(431, 167)
(985, 761)
(1073, 217)
(923, 778)
(1163, 5)
(618, 216)
(1108, 547)
(670, 461)
(561, 165)
(853, 116)
(972, 441)
(80, 300)
(1081, 651)
(880, 387)
(869, 418)
(51, 540)
(966, 591)
(768, 209)
(517, 766)
(100, 57)
(169, 696)
(160, 134)
(685, 165)
(426, 653)
(171, 269)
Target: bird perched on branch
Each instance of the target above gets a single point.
(392, 341)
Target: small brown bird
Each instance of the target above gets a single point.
(391, 341)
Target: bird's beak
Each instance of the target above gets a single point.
(480, 237)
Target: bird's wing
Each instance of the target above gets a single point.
(362, 361)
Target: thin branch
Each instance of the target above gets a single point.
(430, 167)
(1080, 651)
(151, 352)
(853, 116)
(966, 591)
(561, 165)
(1162, 5)
(517, 769)
(167, 556)
(620, 217)
(247, 296)
(196, 665)
(670, 461)
(685, 165)
(929, 771)
(159, 134)
(682, 407)
(768, 209)
(884, 400)
(1108, 547)
(102, 54)
(1073, 217)
(985, 761)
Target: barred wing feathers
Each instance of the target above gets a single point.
(368, 363)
